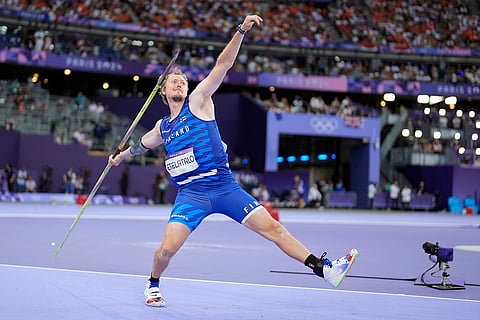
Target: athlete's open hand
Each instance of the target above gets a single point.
(250, 21)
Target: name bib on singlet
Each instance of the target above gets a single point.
(181, 162)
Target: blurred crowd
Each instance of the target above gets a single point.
(397, 24)
(400, 25)
(412, 23)
(26, 107)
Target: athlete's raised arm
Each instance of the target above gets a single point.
(200, 98)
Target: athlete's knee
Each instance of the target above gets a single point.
(280, 230)
(275, 230)
(165, 252)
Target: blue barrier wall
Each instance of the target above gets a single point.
(36, 151)
(241, 122)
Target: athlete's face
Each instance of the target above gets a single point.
(176, 88)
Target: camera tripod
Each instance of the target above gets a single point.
(446, 283)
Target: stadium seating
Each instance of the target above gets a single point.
(340, 199)
(381, 200)
(422, 202)
(455, 205)
(470, 204)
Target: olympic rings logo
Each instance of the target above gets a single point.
(324, 125)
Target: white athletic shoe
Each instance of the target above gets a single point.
(335, 271)
(153, 297)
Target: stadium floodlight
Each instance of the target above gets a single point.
(452, 100)
(291, 159)
(418, 133)
(389, 96)
(459, 113)
(423, 98)
(461, 150)
(442, 112)
(435, 99)
(322, 157)
(474, 136)
(405, 132)
(437, 135)
(426, 111)
(304, 158)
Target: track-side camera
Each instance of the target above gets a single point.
(440, 256)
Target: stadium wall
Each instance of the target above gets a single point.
(241, 122)
(36, 151)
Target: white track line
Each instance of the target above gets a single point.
(219, 218)
(237, 283)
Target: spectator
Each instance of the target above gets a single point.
(299, 188)
(10, 177)
(100, 131)
(406, 195)
(394, 193)
(297, 105)
(30, 184)
(317, 105)
(3, 182)
(69, 180)
(79, 184)
(293, 200)
(339, 185)
(80, 138)
(60, 138)
(437, 146)
(124, 181)
(161, 184)
(9, 124)
(372, 190)
(81, 100)
(421, 188)
(325, 189)
(261, 193)
(314, 196)
(457, 123)
(21, 179)
(39, 37)
(45, 182)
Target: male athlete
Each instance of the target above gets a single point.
(198, 166)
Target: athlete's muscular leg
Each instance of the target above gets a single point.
(263, 223)
(175, 235)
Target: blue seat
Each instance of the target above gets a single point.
(471, 202)
(455, 205)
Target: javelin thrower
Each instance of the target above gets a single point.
(197, 164)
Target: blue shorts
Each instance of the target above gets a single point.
(197, 201)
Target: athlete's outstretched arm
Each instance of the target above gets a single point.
(226, 59)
